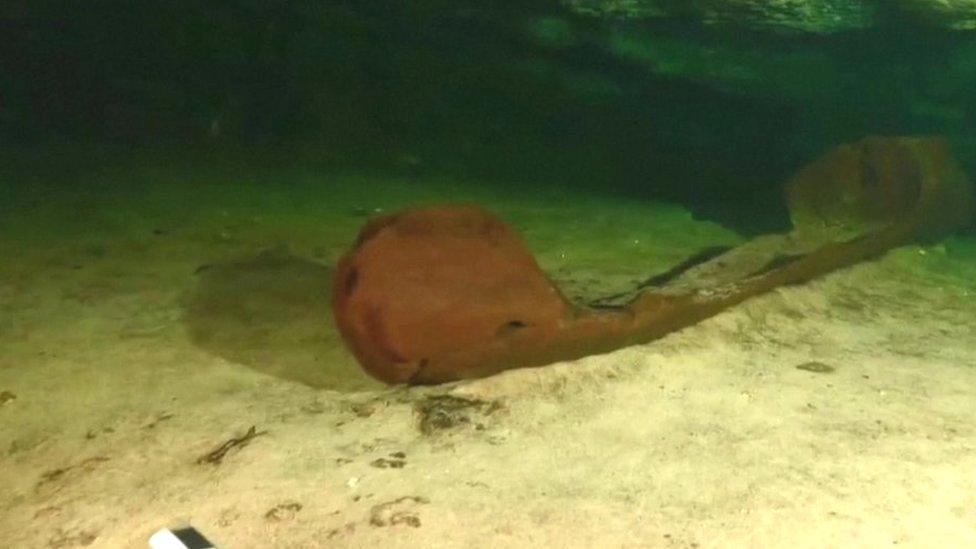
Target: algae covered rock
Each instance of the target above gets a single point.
(818, 16)
(954, 14)
(806, 16)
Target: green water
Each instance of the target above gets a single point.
(617, 146)
(178, 181)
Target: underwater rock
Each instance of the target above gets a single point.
(816, 16)
(809, 16)
(954, 14)
(450, 292)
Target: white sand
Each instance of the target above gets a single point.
(708, 438)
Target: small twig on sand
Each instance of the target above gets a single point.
(217, 454)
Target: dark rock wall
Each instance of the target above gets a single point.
(710, 102)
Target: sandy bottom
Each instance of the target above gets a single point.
(150, 318)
